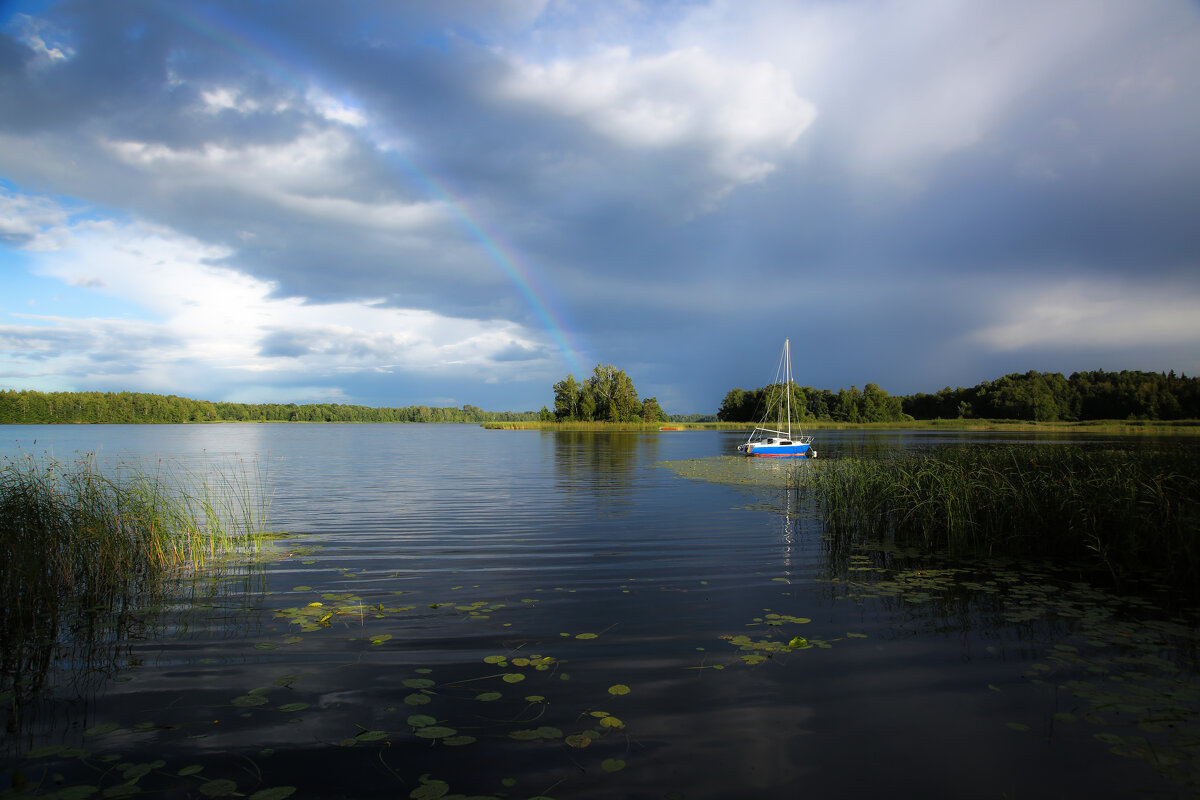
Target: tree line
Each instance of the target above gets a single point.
(872, 404)
(31, 407)
(607, 395)
(1049, 397)
(1035, 396)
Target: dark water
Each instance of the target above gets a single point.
(487, 597)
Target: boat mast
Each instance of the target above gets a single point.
(787, 382)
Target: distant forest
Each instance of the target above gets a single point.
(17, 407)
(1039, 396)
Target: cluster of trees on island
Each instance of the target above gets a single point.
(609, 395)
(1034, 396)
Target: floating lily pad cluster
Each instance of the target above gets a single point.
(1127, 676)
(1132, 674)
(445, 722)
(118, 778)
(776, 641)
(334, 606)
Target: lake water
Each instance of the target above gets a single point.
(561, 614)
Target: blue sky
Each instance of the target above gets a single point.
(448, 203)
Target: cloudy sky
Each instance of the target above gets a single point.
(446, 202)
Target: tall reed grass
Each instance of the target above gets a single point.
(1136, 512)
(86, 555)
(77, 530)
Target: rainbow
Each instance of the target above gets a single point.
(223, 31)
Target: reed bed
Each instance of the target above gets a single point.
(1136, 512)
(588, 425)
(75, 530)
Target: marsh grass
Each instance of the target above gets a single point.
(80, 530)
(86, 554)
(1135, 512)
(76, 539)
(1185, 427)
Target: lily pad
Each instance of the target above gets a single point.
(49, 750)
(222, 787)
(618, 689)
(435, 732)
(430, 790)
(371, 736)
(274, 793)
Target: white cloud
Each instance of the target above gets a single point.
(198, 313)
(745, 114)
(24, 218)
(1081, 314)
(35, 33)
(303, 176)
(227, 98)
(901, 85)
(335, 110)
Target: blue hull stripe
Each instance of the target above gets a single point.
(769, 451)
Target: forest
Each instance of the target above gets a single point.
(25, 407)
(609, 395)
(1032, 396)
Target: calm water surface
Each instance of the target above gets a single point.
(558, 614)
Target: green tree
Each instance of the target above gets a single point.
(567, 396)
(651, 412)
(608, 395)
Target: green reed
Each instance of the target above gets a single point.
(1136, 512)
(85, 555)
(75, 529)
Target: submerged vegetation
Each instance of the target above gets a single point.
(1135, 512)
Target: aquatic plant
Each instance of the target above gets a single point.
(82, 531)
(82, 552)
(1132, 511)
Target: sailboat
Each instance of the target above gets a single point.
(780, 442)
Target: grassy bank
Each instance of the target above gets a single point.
(1188, 426)
(1133, 512)
(588, 426)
